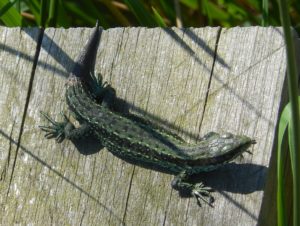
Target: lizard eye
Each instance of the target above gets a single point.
(226, 148)
(226, 135)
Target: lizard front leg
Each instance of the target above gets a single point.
(65, 129)
(103, 93)
(199, 191)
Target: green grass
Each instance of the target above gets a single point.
(289, 127)
(149, 13)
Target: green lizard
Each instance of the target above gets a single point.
(134, 139)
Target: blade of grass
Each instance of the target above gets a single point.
(89, 11)
(213, 12)
(193, 4)
(178, 14)
(159, 20)
(205, 11)
(9, 15)
(168, 9)
(53, 13)
(85, 12)
(43, 13)
(265, 11)
(18, 6)
(63, 17)
(116, 12)
(5, 6)
(281, 146)
(141, 13)
(294, 126)
(34, 8)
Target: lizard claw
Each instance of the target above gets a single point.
(97, 86)
(202, 193)
(56, 129)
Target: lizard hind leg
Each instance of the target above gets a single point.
(199, 191)
(65, 129)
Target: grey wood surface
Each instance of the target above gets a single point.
(192, 81)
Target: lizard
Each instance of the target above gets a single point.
(135, 139)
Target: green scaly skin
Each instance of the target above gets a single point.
(135, 139)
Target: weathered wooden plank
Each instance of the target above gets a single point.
(177, 65)
(17, 51)
(243, 98)
(193, 81)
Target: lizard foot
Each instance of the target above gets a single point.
(202, 193)
(199, 191)
(97, 86)
(56, 129)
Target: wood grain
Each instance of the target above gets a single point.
(192, 81)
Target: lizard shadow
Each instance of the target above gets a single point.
(233, 178)
(88, 145)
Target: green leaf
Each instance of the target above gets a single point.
(52, 20)
(294, 125)
(159, 20)
(236, 12)
(141, 13)
(255, 4)
(282, 145)
(87, 16)
(265, 10)
(43, 12)
(34, 8)
(284, 141)
(9, 15)
(193, 4)
(168, 9)
(215, 12)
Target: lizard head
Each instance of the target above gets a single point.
(222, 148)
(216, 149)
